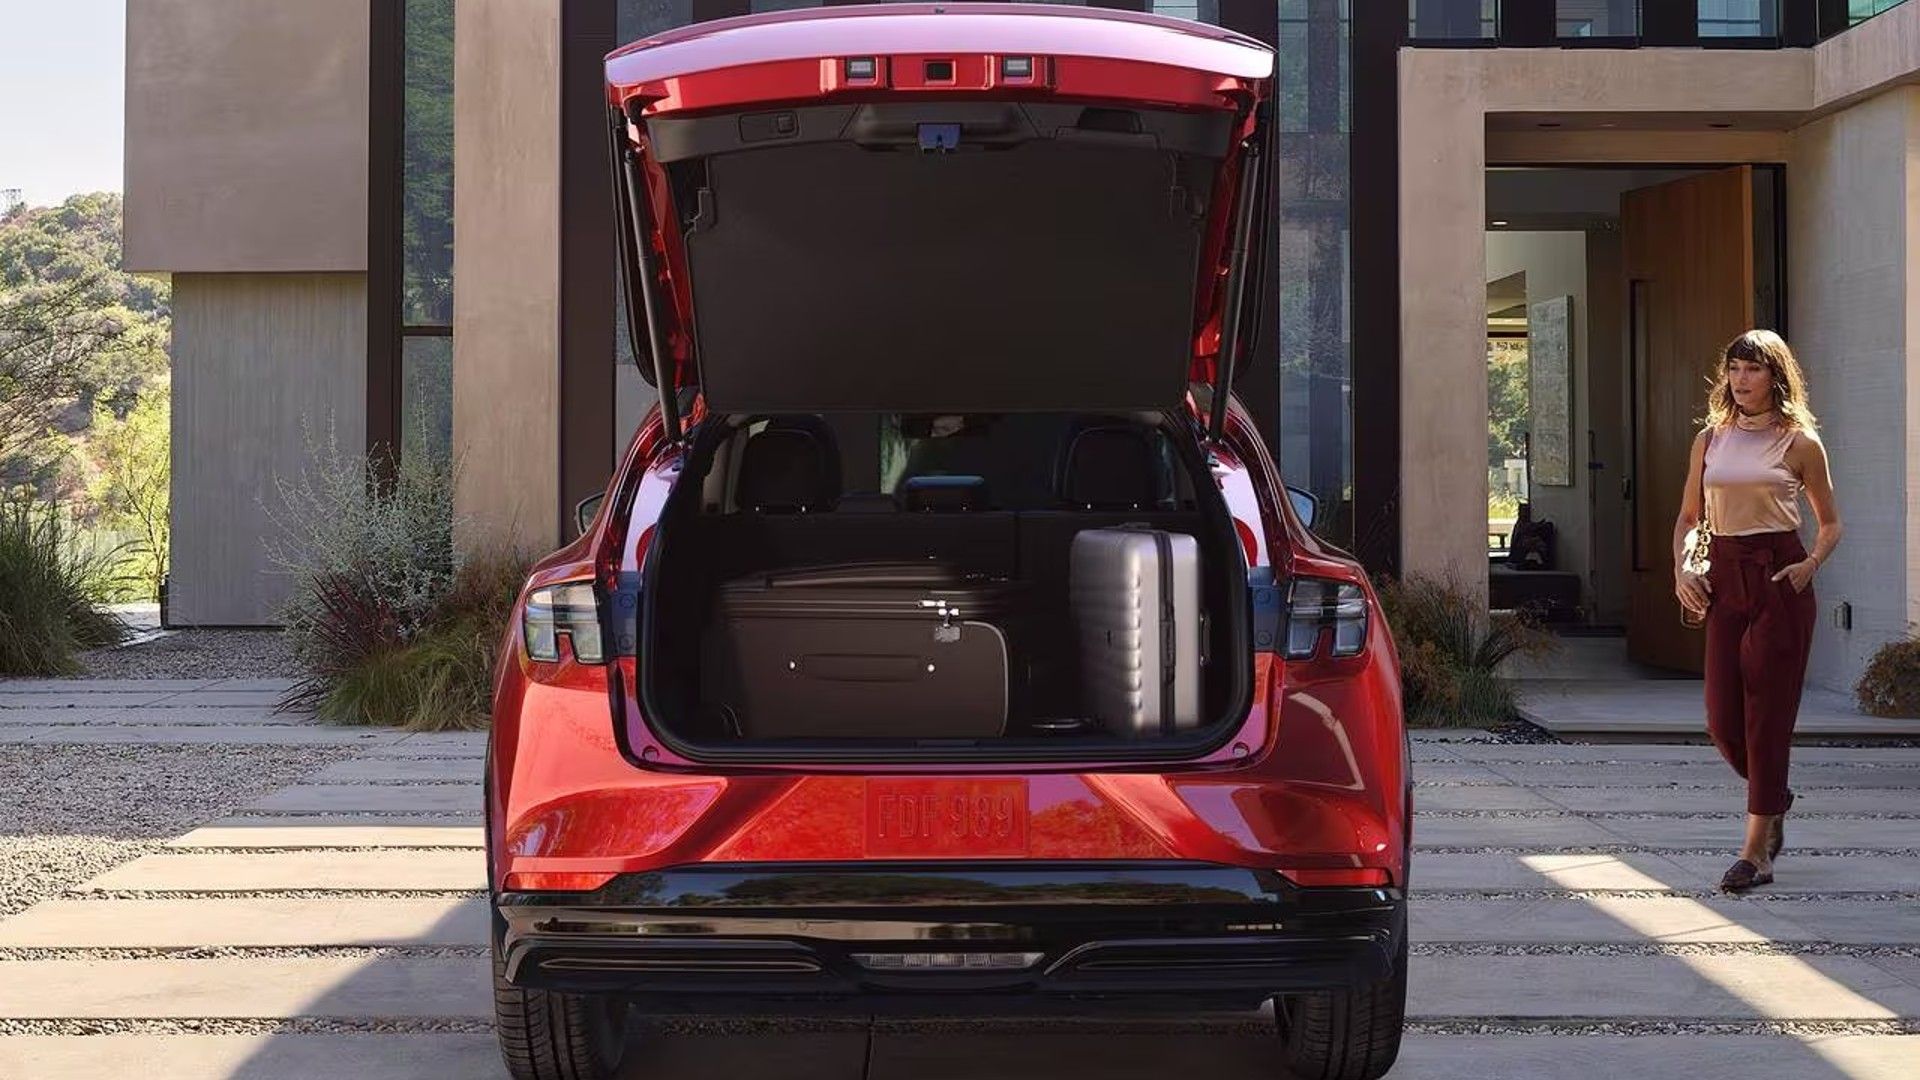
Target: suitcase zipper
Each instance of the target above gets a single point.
(1168, 654)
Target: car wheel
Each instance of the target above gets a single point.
(1351, 1034)
(547, 1035)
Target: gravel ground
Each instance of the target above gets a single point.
(75, 811)
(197, 654)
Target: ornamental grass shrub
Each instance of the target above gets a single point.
(1891, 684)
(1450, 652)
(47, 591)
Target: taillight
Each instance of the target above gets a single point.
(569, 611)
(1321, 605)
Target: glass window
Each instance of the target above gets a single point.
(1859, 11)
(1311, 265)
(636, 19)
(1597, 18)
(426, 396)
(1458, 19)
(427, 166)
(1739, 18)
(1206, 11)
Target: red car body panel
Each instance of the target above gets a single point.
(1312, 783)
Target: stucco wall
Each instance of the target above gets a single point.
(506, 388)
(1851, 294)
(246, 135)
(259, 362)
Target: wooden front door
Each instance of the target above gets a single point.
(1689, 255)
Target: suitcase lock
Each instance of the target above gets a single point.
(946, 631)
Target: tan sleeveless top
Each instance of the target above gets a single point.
(1749, 486)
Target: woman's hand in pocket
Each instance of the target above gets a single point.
(1800, 574)
(1693, 590)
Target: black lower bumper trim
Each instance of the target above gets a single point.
(950, 939)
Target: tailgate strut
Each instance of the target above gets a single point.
(638, 267)
(1243, 265)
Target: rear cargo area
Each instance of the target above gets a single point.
(943, 580)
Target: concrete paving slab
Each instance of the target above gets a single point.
(1545, 833)
(194, 922)
(1600, 920)
(324, 831)
(236, 871)
(369, 770)
(197, 735)
(1850, 922)
(374, 798)
(1667, 987)
(1691, 800)
(461, 751)
(1798, 872)
(1705, 774)
(249, 988)
(1454, 772)
(1478, 797)
(10, 687)
(252, 1057)
(1049, 1054)
(1448, 735)
(1674, 706)
(277, 686)
(152, 716)
(213, 699)
(1494, 872)
(1806, 834)
(1904, 967)
(1660, 753)
(78, 699)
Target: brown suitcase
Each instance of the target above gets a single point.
(869, 650)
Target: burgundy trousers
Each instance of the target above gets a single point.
(1758, 634)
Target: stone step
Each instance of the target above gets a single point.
(151, 716)
(1479, 797)
(1453, 871)
(436, 745)
(1798, 872)
(84, 686)
(1544, 834)
(1668, 988)
(373, 798)
(1038, 1054)
(193, 922)
(413, 1056)
(1657, 753)
(198, 735)
(1547, 833)
(1602, 920)
(77, 698)
(219, 698)
(333, 831)
(363, 770)
(235, 871)
(1708, 774)
(247, 988)
(1692, 800)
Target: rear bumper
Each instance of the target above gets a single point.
(950, 938)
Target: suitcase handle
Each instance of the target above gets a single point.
(863, 668)
(875, 573)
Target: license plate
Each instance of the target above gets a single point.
(946, 818)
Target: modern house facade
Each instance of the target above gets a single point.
(390, 221)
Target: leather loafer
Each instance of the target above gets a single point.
(1743, 875)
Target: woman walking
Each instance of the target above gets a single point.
(1758, 454)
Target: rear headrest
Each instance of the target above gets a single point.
(790, 466)
(1111, 467)
(944, 494)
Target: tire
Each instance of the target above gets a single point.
(547, 1035)
(1351, 1034)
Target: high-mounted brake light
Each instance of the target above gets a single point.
(569, 611)
(1317, 605)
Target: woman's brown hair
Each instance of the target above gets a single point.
(1789, 384)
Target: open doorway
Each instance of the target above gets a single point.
(1610, 290)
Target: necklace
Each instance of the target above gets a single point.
(1753, 422)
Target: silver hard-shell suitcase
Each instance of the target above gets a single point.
(1136, 607)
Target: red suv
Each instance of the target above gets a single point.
(946, 640)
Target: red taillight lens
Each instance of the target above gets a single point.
(569, 610)
(1319, 605)
(1335, 878)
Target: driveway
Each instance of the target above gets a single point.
(320, 914)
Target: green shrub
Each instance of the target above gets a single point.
(47, 589)
(1450, 653)
(387, 627)
(1891, 684)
